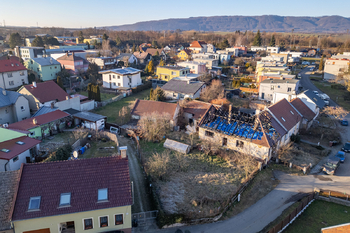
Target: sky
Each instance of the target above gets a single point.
(99, 13)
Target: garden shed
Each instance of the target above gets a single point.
(177, 146)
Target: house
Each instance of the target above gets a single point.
(258, 48)
(195, 67)
(85, 103)
(184, 54)
(307, 114)
(177, 89)
(126, 77)
(313, 101)
(127, 58)
(43, 125)
(45, 68)
(74, 64)
(29, 52)
(97, 197)
(12, 74)
(194, 110)
(233, 50)
(224, 55)
(335, 66)
(273, 49)
(241, 50)
(198, 47)
(91, 41)
(211, 48)
(142, 57)
(209, 63)
(275, 76)
(88, 120)
(8, 188)
(103, 62)
(143, 107)
(269, 87)
(167, 73)
(257, 135)
(156, 52)
(16, 148)
(13, 107)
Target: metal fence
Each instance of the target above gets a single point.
(144, 218)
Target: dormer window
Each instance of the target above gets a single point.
(283, 119)
(5, 150)
(102, 195)
(34, 203)
(65, 199)
(292, 112)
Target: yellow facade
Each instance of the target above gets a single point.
(54, 223)
(271, 70)
(167, 73)
(182, 55)
(91, 41)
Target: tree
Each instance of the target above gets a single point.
(81, 37)
(224, 44)
(273, 41)
(157, 94)
(214, 91)
(158, 164)
(239, 61)
(59, 82)
(336, 112)
(151, 94)
(15, 40)
(105, 37)
(92, 72)
(250, 69)
(150, 67)
(161, 63)
(38, 42)
(31, 77)
(133, 48)
(97, 93)
(118, 41)
(257, 39)
(320, 67)
(154, 126)
(89, 90)
(157, 53)
(155, 44)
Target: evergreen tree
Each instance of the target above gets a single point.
(150, 67)
(157, 94)
(273, 41)
(151, 94)
(155, 44)
(105, 37)
(38, 42)
(224, 44)
(133, 48)
(31, 77)
(81, 37)
(157, 53)
(118, 41)
(257, 40)
(98, 94)
(161, 63)
(89, 90)
(321, 63)
(282, 46)
(15, 40)
(59, 82)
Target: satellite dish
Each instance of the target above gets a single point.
(75, 154)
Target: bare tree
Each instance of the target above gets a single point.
(336, 112)
(154, 126)
(214, 91)
(158, 164)
(106, 49)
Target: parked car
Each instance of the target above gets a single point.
(344, 122)
(341, 156)
(346, 147)
(299, 75)
(315, 92)
(326, 102)
(331, 165)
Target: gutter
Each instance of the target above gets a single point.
(6, 164)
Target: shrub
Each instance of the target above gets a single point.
(295, 138)
(62, 153)
(142, 87)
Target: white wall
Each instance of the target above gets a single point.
(123, 80)
(21, 159)
(87, 105)
(334, 67)
(22, 113)
(306, 100)
(17, 79)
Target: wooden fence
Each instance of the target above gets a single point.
(292, 216)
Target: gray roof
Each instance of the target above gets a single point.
(89, 116)
(44, 110)
(8, 99)
(122, 55)
(182, 86)
(71, 111)
(174, 67)
(122, 71)
(315, 98)
(46, 61)
(293, 81)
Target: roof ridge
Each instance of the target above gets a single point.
(79, 159)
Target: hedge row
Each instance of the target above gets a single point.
(142, 87)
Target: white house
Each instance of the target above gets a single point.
(103, 62)
(273, 49)
(12, 74)
(310, 99)
(125, 77)
(269, 87)
(177, 89)
(234, 50)
(211, 48)
(336, 65)
(258, 48)
(208, 62)
(29, 52)
(195, 67)
(127, 57)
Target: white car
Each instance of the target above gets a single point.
(315, 92)
(326, 102)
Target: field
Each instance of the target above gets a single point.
(318, 215)
(112, 110)
(335, 94)
(195, 185)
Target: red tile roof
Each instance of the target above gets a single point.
(285, 114)
(303, 109)
(16, 149)
(196, 108)
(41, 120)
(11, 65)
(47, 91)
(143, 107)
(197, 44)
(82, 178)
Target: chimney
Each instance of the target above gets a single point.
(122, 151)
(35, 121)
(4, 92)
(52, 104)
(229, 113)
(67, 97)
(34, 84)
(67, 54)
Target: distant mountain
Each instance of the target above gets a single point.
(269, 23)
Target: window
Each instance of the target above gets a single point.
(38, 69)
(21, 73)
(65, 199)
(11, 83)
(6, 110)
(209, 134)
(239, 144)
(102, 195)
(283, 119)
(32, 133)
(9, 75)
(278, 86)
(15, 159)
(118, 77)
(118, 84)
(50, 68)
(114, 84)
(104, 221)
(292, 112)
(5, 150)
(34, 203)
(55, 67)
(173, 73)
(289, 89)
(31, 62)
(113, 76)
(272, 87)
(118, 219)
(88, 224)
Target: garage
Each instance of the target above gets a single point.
(46, 230)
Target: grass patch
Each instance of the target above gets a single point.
(104, 96)
(96, 149)
(316, 78)
(112, 110)
(336, 95)
(318, 215)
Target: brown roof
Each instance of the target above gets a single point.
(143, 107)
(153, 52)
(8, 186)
(47, 91)
(187, 51)
(70, 57)
(141, 55)
(11, 65)
(82, 178)
(15, 148)
(285, 114)
(196, 108)
(41, 120)
(303, 109)
(266, 119)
